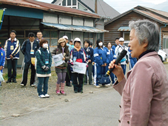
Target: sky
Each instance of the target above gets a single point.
(125, 5)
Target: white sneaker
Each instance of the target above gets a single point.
(97, 86)
(41, 96)
(107, 85)
(22, 85)
(46, 96)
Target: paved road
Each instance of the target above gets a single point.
(97, 109)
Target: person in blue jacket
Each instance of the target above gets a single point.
(89, 55)
(110, 57)
(12, 48)
(114, 47)
(132, 60)
(100, 60)
(77, 54)
(2, 59)
(29, 48)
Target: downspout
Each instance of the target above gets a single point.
(161, 35)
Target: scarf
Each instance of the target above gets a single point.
(77, 48)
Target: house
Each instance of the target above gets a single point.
(118, 26)
(102, 9)
(54, 21)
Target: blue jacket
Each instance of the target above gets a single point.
(2, 57)
(74, 55)
(100, 56)
(26, 50)
(113, 48)
(12, 48)
(89, 54)
(109, 54)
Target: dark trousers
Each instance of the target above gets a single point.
(25, 72)
(89, 72)
(12, 65)
(68, 75)
(42, 80)
(78, 87)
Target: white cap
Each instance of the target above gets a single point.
(77, 40)
(121, 39)
(65, 37)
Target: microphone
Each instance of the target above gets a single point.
(119, 58)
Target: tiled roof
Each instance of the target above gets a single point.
(48, 7)
(154, 16)
(157, 15)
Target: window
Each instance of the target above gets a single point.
(88, 36)
(51, 36)
(74, 2)
(126, 36)
(69, 2)
(64, 2)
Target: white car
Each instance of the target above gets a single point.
(162, 55)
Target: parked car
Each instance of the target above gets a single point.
(162, 55)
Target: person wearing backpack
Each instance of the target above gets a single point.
(43, 68)
(61, 70)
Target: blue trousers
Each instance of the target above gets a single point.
(124, 68)
(42, 80)
(1, 72)
(99, 72)
(111, 75)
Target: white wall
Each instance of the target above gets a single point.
(50, 18)
(65, 20)
(77, 21)
(88, 22)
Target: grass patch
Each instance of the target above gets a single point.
(165, 63)
(18, 76)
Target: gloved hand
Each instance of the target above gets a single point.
(45, 68)
(86, 65)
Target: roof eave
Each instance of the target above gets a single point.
(150, 17)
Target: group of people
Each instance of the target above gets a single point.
(38, 57)
(144, 92)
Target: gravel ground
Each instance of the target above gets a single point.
(17, 101)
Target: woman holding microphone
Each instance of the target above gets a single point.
(145, 91)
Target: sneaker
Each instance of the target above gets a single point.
(107, 85)
(8, 81)
(62, 92)
(97, 86)
(41, 96)
(58, 92)
(46, 96)
(22, 85)
(32, 85)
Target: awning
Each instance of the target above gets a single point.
(124, 28)
(75, 28)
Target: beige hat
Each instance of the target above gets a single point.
(61, 40)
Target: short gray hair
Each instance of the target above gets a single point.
(146, 30)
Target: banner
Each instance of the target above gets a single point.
(58, 59)
(2, 12)
(79, 67)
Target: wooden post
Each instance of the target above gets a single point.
(96, 6)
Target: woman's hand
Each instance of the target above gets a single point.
(118, 71)
(63, 58)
